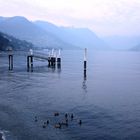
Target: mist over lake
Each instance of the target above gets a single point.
(69, 70)
(107, 101)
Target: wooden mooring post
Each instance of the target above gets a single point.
(10, 57)
(51, 60)
(58, 60)
(54, 59)
(30, 63)
(85, 63)
(10, 61)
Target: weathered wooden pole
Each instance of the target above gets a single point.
(10, 61)
(49, 62)
(85, 63)
(31, 58)
(52, 61)
(10, 57)
(58, 60)
(52, 58)
(30, 61)
(49, 59)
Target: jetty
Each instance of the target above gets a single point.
(51, 56)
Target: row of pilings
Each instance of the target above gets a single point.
(52, 56)
(52, 62)
(53, 59)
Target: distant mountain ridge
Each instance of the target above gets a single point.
(82, 37)
(21, 28)
(47, 35)
(7, 41)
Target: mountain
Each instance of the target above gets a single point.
(82, 37)
(7, 41)
(24, 29)
(47, 35)
(47, 26)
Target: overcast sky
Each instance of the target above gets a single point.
(105, 17)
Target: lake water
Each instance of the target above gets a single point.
(107, 101)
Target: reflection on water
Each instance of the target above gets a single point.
(84, 85)
(109, 110)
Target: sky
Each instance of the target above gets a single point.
(104, 17)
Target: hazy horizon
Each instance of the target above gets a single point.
(104, 17)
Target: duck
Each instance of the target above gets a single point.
(72, 116)
(36, 119)
(44, 126)
(66, 115)
(65, 122)
(48, 121)
(80, 122)
(58, 125)
(56, 114)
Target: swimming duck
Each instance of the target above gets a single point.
(36, 119)
(58, 125)
(72, 116)
(66, 115)
(65, 122)
(44, 126)
(56, 114)
(48, 121)
(80, 122)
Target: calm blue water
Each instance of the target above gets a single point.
(107, 102)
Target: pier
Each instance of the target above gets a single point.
(52, 57)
